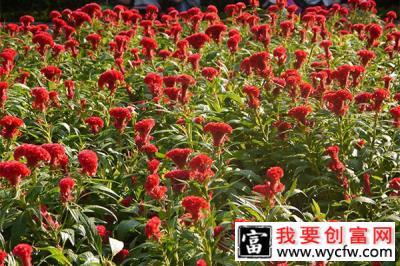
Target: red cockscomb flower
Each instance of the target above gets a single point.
(43, 40)
(57, 154)
(153, 188)
(111, 79)
(209, 73)
(335, 165)
(300, 113)
(88, 162)
(152, 165)
(395, 112)
(195, 206)
(198, 40)
(14, 171)
(216, 31)
(121, 116)
(143, 127)
(23, 252)
(10, 125)
(202, 262)
(33, 154)
(66, 185)
(70, 85)
(149, 46)
(301, 57)
(201, 167)
(218, 130)
(41, 98)
(52, 73)
(378, 97)
(94, 40)
(3, 256)
(152, 229)
(102, 232)
(366, 56)
(275, 173)
(95, 123)
(253, 95)
(179, 156)
(280, 55)
(177, 176)
(395, 185)
(3, 93)
(337, 101)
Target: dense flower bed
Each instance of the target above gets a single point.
(142, 139)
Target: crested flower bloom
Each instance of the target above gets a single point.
(153, 188)
(219, 131)
(57, 153)
(3, 93)
(88, 162)
(143, 128)
(280, 55)
(253, 96)
(300, 113)
(395, 112)
(366, 56)
(378, 97)
(149, 45)
(41, 98)
(70, 85)
(95, 123)
(270, 188)
(209, 73)
(121, 116)
(201, 167)
(374, 32)
(152, 165)
(10, 126)
(177, 176)
(3, 256)
(52, 73)
(111, 79)
(154, 83)
(152, 229)
(216, 31)
(102, 232)
(367, 184)
(13, 171)
(43, 40)
(301, 57)
(33, 154)
(179, 156)
(23, 252)
(335, 164)
(198, 40)
(66, 185)
(394, 184)
(94, 40)
(195, 207)
(337, 101)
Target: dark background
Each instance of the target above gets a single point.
(11, 10)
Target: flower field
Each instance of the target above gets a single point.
(140, 139)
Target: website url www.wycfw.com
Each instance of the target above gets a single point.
(331, 254)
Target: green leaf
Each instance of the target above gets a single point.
(364, 200)
(115, 245)
(57, 255)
